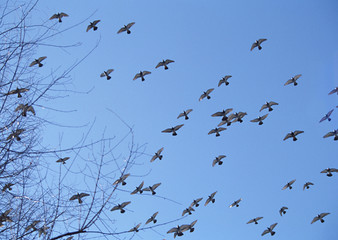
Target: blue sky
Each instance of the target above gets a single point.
(208, 40)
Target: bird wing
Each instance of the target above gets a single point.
(125, 176)
(265, 232)
(84, 195)
(258, 218)
(174, 229)
(184, 212)
(221, 129)
(264, 116)
(214, 162)
(180, 115)
(251, 221)
(178, 127)
(153, 158)
(263, 107)
(211, 131)
(207, 201)
(117, 207)
(146, 189)
(323, 214)
(213, 194)
(146, 73)
(210, 90)
(130, 24)
(273, 103)
(255, 120)
(333, 91)
(137, 76)
(134, 192)
(221, 156)
(89, 27)
(228, 110)
(42, 58)
(315, 219)
(253, 46)
(185, 227)
(54, 16)
(33, 63)
(285, 187)
(74, 197)
(159, 65)
(124, 204)
(217, 114)
(31, 109)
(334, 170)
(287, 136)
(64, 14)
(160, 150)
(291, 182)
(297, 76)
(220, 82)
(20, 107)
(156, 186)
(330, 112)
(232, 205)
(96, 22)
(324, 171)
(202, 96)
(273, 226)
(297, 132)
(169, 61)
(329, 134)
(288, 82)
(188, 111)
(262, 40)
(110, 70)
(168, 130)
(193, 223)
(122, 29)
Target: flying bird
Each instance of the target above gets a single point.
(152, 218)
(224, 80)
(164, 63)
(319, 217)
(259, 119)
(157, 155)
(282, 210)
(141, 75)
(178, 231)
(335, 90)
(188, 210)
(120, 207)
(126, 28)
(122, 179)
(15, 134)
(288, 185)
(307, 185)
(138, 189)
(218, 160)
(7, 186)
(216, 130)
(223, 114)
(43, 230)
(59, 16)
(258, 43)
(4, 217)
(79, 197)
(237, 117)
(135, 229)
(189, 227)
(329, 171)
(152, 188)
(235, 203)
(93, 25)
(293, 80)
(269, 230)
(210, 198)
(333, 133)
(255, 220)
(227, 122)
(206, 94)
(327, 116)
(196, 202)
(32, 225)
(268, 105)
(62, 160)
(173, 129)
(185, 114)
(106, 74)
(38, 61)
(25, 108)
(293, 135)
(17, 91)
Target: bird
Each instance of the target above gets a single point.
(15, 134)
(235, 203)
(258, 43)
(38, 61)
(120, 207)
(319, 217)
(288, 185)
(25, 108)
(173, 129)
(196, 202)
(224, 80)
(135, 229)
(126, 28)
(188, 210)
(268, 105)
(218, 160)
(17, 91)
(333, 133)
(7, 186)
(43, 230)
(62, 160)
(93, 25)
(237, 117)
(223, 114)
(164, 63)
(79, 197)
(255, 220)
(293, 80)
(206, 94)
(4, 217)
(122, 179)
(32, 225)
(157, 155)
(293, 135)
(185, 114)
(269, 230)
(307, 185)
(141, 75)
(335, 90)
(152, 218)
(152, 188)
(59, 16)
(189, 227)
(327, 116)
(138, 189)
(259, 119)
(176, 230)
(106, 74)
(282, 210)
(216, 130)
(210, 198)
(329, 171)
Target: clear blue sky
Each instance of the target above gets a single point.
(208, 40)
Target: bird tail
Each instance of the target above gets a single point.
(295, 84)
(128, 31)
(95, 28)
(226, 83)
(143, 79)
(208, 97)
(165, 67)
(108, 77)
(186, 117)
(260, 123)
(270, 109)
(217, 135)
(60, 20)
(294, 139)
(259, 48)
(40, 64)
(160, 157)
(273, 233)
(322, 220)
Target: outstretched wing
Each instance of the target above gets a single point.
(288, 82)
(210, 90)
(178, 127)
(54, 16)
(211, 131)
(287, 136)
(124, 204)
(159, 65)
(156, 186)
(130, 24)
(64, 14)
(96, 22)
(168, 130)
(42, 58)
(253, 46)
(262, 40)
(169, 61)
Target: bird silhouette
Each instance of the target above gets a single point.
(319, 217)
(126, 28)
(327, 116)
(141, 75)
(59, 16)
(157, 155)
(224, 80)
(258, 43)
(62, 160)
(270, 230)
(106, 74)
(329, 171)
(138, 189)
(152, 218)
(217, 130)
(173, 129)
(255, 220)
(335, 90)
(122, 179)
(293, 135)
(135, 229)
(164, 63)
(288, 185)
(333, 133)
(188, 210)
(259, 119)
(218, 160)
(211, 198)
(268, 105)
(152, 188)
(38, 61)
(223, 114)
(293, 80)
(93, 25)
(235, 203)
(17, 91)
(120, 207)
(307, 185)
(206, 94)
(79, 197)
(15, 134)
(282, 210)
(196, 202)
(185, 114)
(25, 108)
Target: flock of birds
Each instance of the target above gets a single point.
(225, 119)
